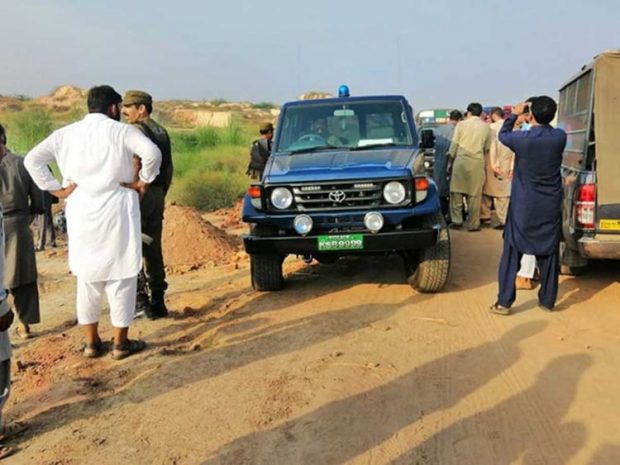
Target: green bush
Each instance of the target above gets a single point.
(233, 135)
(29, 127)
(223, 158)
(198, 139)
(264, 106)
(208, 190)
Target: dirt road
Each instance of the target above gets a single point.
(347, 365)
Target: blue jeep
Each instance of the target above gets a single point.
(347, 177)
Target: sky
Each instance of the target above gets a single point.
(438, 53)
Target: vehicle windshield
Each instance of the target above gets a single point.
(344, 125)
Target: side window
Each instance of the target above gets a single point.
(574, 114)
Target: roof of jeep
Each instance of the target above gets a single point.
(364, 98)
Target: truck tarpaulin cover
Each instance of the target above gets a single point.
(607, 127)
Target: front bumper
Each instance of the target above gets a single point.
(373, 243)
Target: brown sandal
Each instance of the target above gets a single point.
(499, 309)
(12, 429)
(130, 347)
(5, 451)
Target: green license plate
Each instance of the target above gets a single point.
(341, 242)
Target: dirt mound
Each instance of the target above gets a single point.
(229, 217)
(189, 242)
(10, 103)
(68, 93)
(63, 98)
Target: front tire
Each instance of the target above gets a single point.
(428, 272)
(266, 269)
(266, 272)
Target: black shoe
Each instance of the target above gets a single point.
(499, 227)
(455, 226)
(499, 309)
(544, 307)
(158, 305)
(143, 306)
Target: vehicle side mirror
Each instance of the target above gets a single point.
(427, 139)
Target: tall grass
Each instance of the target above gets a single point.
(27, 128)
(209, 166)
(208, 190)
(209, 163)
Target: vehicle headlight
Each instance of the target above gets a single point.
(373, 221)
(394, 192)
(281, 198)
(303, 224)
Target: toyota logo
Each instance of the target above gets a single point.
(337, 196)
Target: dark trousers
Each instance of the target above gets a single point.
(152, 214)
(5, 384)
(26, 303)
(548, 265)
(47, 233)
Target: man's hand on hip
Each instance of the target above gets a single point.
(64, 192)
(139, 186)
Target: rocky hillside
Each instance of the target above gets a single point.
(70, 100)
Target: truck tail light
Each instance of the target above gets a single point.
(585, 205)
(255, 193)
(420, 185)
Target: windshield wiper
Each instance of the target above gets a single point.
(372, 146)
(315, 149)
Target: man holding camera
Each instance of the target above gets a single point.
(535, 217)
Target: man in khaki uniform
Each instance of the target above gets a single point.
(499, 163)
(471, 140)
(137, 109)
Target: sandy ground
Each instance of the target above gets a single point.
(346, 365)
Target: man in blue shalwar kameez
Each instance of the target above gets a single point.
(534, 216)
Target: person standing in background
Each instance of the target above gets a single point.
(535, 218)
(7, 430)
(498, 164)
(95, 156)
(20, 199)
(527, 269)
(152, 285)
(260, 152)
(443, 139)
(471, 140)
(45, 223)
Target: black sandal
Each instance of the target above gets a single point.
(93, 350)
(129, 347)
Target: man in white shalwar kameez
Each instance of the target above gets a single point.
(94, 156)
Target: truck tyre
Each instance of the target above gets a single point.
(266, 271)
(433, 263)
(571, 263)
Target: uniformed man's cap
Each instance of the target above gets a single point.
(137, 97)
(266, 127)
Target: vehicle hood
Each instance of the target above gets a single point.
(319, 166)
